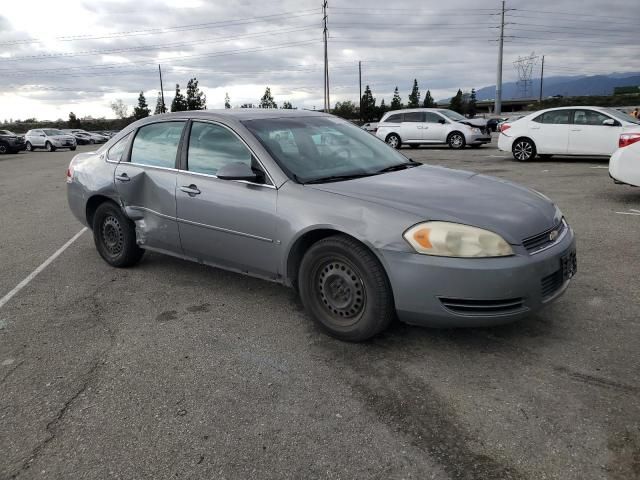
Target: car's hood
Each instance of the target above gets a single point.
(474, 122)
(437, 193)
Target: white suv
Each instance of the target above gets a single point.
(419, 126)
(49, 138)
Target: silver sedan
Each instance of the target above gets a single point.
(313, 202)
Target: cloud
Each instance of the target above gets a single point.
(96, 51)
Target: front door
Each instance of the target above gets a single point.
(589, 136)
(435, 128)
(146, 183)
(227, 223)
(412, 127)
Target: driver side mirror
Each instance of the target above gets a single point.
(237, 171)
(610, 122)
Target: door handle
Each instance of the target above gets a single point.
(190, 190)
(123, 177)
(576, 129)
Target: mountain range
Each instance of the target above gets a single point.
(567, 86)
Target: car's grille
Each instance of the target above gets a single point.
(543, 240)
(483, 307)
(552, 283)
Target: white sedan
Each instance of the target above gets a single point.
(624, 166)
(592, 131)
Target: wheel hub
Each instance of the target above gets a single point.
(341, 289)
(112, 236)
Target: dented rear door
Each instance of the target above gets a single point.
(146, 184)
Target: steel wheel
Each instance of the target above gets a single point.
(340, 291)
(523, 150)
(112, 235)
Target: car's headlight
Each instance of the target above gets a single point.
(446, 239)
(475, 130)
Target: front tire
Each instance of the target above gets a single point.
(4, 149)
(523, 150)
(73, 149)
(115, 237)
(456, 140)
(345, 290)
(49, 147)
(393, 140)
(28, 147)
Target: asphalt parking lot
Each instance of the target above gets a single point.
(175, 370)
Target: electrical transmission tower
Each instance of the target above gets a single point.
(524, 67)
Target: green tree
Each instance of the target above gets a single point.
(396, 101)
(267, 100)
(456, 103)
(160, 106)
(428, 100)
(382, 109)
(414, 96)
(472, 106)
(287, 105)
(196, 99)
(73, 121)
(179, 103)
(142, 110)
(346, 109)
(227, 100)
(368, 105)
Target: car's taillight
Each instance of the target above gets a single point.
(70, 172)
(627, 139)
(505, 127)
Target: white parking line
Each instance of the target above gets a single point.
(629, 213)
(603, 166)
(44, 265)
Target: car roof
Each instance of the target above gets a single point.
(239, 114)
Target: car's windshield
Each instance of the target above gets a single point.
(52, 131)
(310, 148)
(621, 115)
(451, 115)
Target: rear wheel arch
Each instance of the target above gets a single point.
(527, 139)
(92, 205)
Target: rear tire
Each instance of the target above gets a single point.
(345, 290)
(115, 237)
(393, 140)
(456, 140)
(523, 150)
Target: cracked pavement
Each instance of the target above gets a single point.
(176, 370)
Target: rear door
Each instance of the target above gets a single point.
(225, 222)
(412, 127)
(146, 183)
(589, 136)
(435, 128)
(550, 131)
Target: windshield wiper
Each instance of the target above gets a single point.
(399, 166)
(338, 178)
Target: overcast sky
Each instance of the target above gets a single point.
(79, 55)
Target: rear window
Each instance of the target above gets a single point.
(157, 144)
(557, 117)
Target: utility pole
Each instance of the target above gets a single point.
(498, 105)
(327, 101)
(360, 81)
(164, 108)
(541, 78)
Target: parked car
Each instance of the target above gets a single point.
(492, 123)
(81, 138)
(592, 131)
(49, 138)
(508, 121)
(418, 126)
(370, 127)
(624, 165)
(10, 142)
(90, 136)
(363, 233)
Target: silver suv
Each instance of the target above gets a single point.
(50, 139)
(431, 125)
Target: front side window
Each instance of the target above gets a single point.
(53, 132)
(157, 144)
(115, 153)
(317, 149)
(212, 146)
(589, 117)
(451, 115)
(395, 118)
(431, 117)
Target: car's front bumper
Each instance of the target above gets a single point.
(478, 138)
(457, 292)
